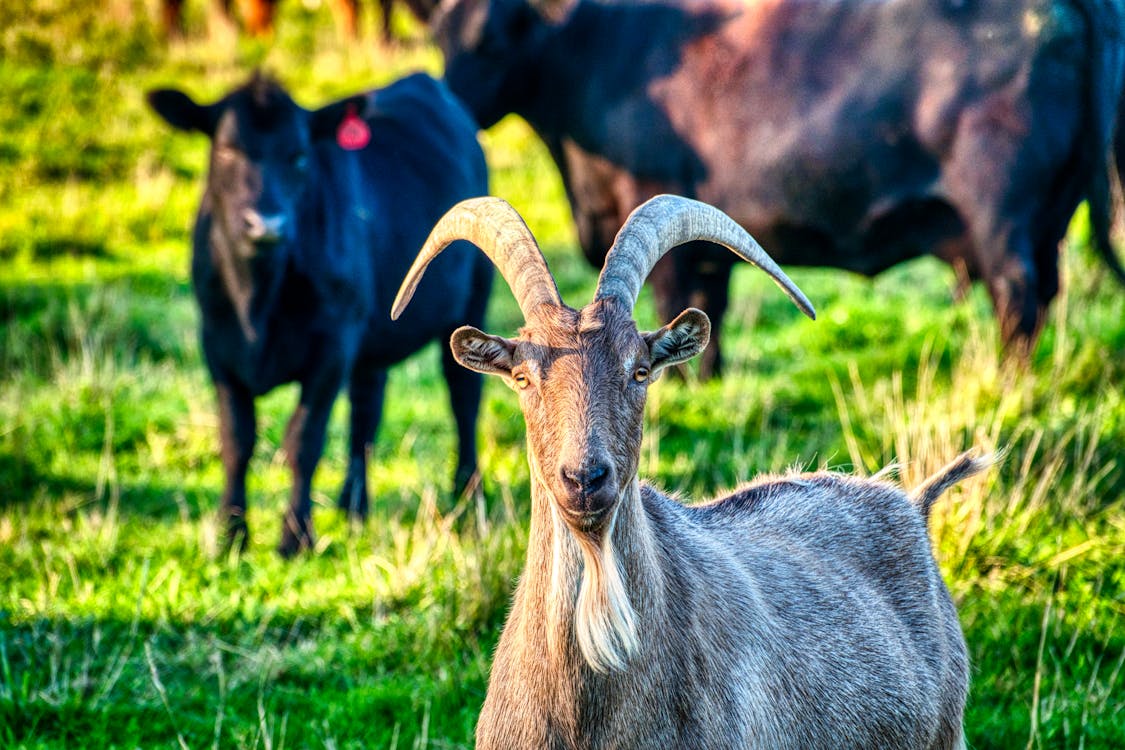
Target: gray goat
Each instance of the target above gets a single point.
(802, 611)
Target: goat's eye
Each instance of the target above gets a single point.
(521, 380)
(640, 374)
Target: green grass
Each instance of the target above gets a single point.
(122, 624)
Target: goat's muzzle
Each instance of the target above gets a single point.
(589, 493)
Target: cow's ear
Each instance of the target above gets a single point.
(180, 111)
(325, 122)
(482, 352)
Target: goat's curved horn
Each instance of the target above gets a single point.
(663, 222)
(494, 226)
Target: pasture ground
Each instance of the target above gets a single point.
(121, 624)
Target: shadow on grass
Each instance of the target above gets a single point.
(53, 248)
(138, 316)
(239, 682)
(25, 483)
(50, 248)
(22, 481)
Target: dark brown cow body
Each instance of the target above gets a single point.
(851, 134)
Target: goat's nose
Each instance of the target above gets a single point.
(263, 228)
(587, 478)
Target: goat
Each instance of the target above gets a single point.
(799, 611)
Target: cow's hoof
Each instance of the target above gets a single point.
(467, 484)
(237, 536)
(296, 537)
(353, 498)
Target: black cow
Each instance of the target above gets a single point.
(840, 133)
(299, 247)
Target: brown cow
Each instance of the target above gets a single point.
(847, 134)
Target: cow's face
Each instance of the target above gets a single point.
(261, 158)
(487, 45)
(260, 154)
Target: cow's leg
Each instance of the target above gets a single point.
(237, 429)
(710, 292)
(386, 10)
(669, 286)
(366, 391)
(259, 15)
(347, 17)
(1047, 267)
(692, 277)
(670, 292)
(465, 386)
(600, 196)
(464, 397)
(304, 444)
(1012, 247)
(1013, 282)
(172, 13)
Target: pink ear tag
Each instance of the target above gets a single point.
(353, 133)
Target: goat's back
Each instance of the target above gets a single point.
(853, 639)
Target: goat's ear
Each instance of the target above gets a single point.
(482, 352)
(680, 340)
(181, 111)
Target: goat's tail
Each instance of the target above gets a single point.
(960, 468)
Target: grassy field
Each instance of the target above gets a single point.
(122, 624)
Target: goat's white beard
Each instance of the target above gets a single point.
(604, 620)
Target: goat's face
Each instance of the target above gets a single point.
(582, 377)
